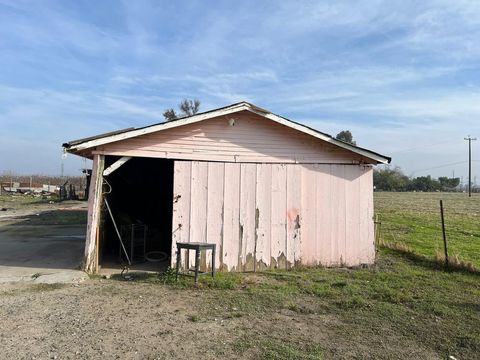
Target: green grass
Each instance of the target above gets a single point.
(18, 201)
(400, 302)
(271, 349)
(58, 217)
(412, 220)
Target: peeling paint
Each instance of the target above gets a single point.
(220, 247)
(282, 262)
(287, 233)
(240, 246)
(260, 265)
(257, 216)
(292, 218)
(223, 267)
(297, 222)
(250, 262)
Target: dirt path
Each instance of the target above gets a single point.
(42, 242)
(97, 320)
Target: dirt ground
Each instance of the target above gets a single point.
(96, 320)
(41, 241)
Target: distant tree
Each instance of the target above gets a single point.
(187, 108)
(447, 184)
(424, 183)
(346, 136)
(170, 115)
(388, 179)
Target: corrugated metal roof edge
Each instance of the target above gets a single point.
(99, 136)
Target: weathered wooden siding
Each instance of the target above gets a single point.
(253, 139)
(275, 215)
(90, 262)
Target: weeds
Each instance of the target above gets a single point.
(271, 349)
(194, 318)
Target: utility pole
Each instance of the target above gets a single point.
(469, 139)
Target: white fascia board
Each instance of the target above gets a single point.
(320, 136)
(154, 128)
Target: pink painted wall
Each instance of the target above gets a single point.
(253, 139)
(267, 195)
(276, 215)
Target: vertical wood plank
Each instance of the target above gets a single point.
(278, 217)
(215, 208)
(367, 237)
(294, 200)
(94, 212)
(181, 205)
(231, 216)
(337, 199)
(323, 205)
(308, 215)
(352, 213)
(198, 207)
(248, 180)
(198, 210)
(264, 211)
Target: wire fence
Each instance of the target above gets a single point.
(411, 223)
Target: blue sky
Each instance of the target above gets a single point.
(403, 76)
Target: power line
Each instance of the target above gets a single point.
(419, 147)
(440, 166)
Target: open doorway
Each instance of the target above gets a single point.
(140, 199)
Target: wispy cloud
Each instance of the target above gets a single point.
(397, 74)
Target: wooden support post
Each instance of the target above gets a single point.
(443, 233)
(116, 165)
(94, 211)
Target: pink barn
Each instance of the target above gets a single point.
(271, 193)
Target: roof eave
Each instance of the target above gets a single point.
(83, 145)
(73, 147)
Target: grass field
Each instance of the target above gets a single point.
(413, 220)
(399, 308)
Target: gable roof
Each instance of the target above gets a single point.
(77, 146)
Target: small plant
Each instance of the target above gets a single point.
(36, 276)
(299, 309)
(168, 276)
(194, 318)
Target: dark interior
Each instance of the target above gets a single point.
(141, 194)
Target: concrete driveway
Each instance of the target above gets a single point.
(40, 247)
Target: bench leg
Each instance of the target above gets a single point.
(197, 264)
(213, 262)
(179, 253)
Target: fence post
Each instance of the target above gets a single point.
(443, 233)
